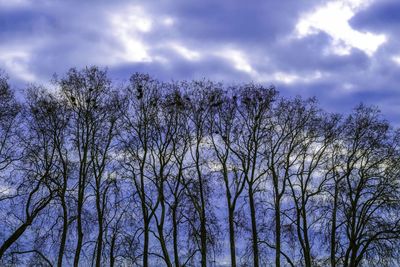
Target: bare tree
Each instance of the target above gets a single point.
(9, 110)
(308, 185)
(254, 106)
(101, 152)
(366, 220)
(38, 169)
(282, 151)
(55, 115)
(225, 130)
(141, 105)
(150, 173)
(180, 142)
(92, 123)
(198, 184)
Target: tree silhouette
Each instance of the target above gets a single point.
(192, 173)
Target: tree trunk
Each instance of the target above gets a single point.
(277, 233)
(21, 229)
(64, 231)
(175, 236)
(14, 237)
(112, 247)
(146, 244)
(160, 228)
(99, 237)
(232, 236)
(79, 228)
(333, 229)
(253, 228)
(307, 249)
(203, 232)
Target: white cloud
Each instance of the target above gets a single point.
(185, 52)
(16, 61)
(238, 59)
(240, 62)
(132, 19)
(333, 19)
(14, 3)
(168, 21)
(290, 78)
(396, 59)
(127, 27)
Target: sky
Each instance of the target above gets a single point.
(342, 51)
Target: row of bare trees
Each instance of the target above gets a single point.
(192, 174)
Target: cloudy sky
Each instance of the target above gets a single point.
(342, 51)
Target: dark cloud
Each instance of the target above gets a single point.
(381, 16)
(231, 41)
(246, 23)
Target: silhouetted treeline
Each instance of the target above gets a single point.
(192, 173)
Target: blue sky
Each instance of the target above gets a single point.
(344, 52)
